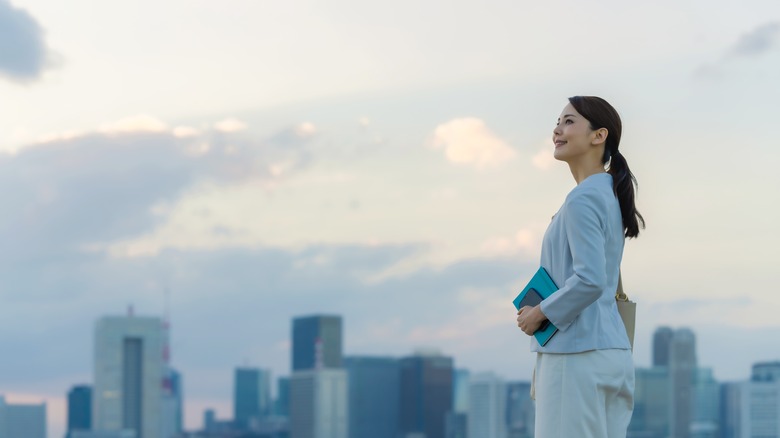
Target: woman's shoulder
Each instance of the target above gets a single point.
(592, 190)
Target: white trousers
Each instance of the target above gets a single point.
(584, 395)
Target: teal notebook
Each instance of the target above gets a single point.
(540, 287)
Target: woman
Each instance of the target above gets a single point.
(584, 376)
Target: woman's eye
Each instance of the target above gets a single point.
(569, 121)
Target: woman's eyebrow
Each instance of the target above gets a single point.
(567, 115)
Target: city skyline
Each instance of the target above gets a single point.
(389, 162)
(668, 343)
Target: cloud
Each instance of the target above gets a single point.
(758, 41)
(23, 51)
(134, 124)
(526, 241)
(469, 141)
(82, 190)
(230, 125)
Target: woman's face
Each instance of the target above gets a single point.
(572, 136)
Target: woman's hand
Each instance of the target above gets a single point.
(529, 319)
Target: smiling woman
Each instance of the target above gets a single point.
(584, 376)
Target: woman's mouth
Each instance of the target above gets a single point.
(559, 143)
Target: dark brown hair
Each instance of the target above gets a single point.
(601, 114)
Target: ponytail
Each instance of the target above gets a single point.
(601, 114)
(623, 182)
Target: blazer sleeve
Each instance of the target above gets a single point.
(585, 227)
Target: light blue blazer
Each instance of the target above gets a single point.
(582, 250)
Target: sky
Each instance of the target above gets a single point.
(389, 162)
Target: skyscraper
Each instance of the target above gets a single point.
(129, 370)
(520, 410)
(251, 396)
(730, 405)
(373, 387)
(487, 406)
(22, 420)
(282, 402)
(662, 339)
(316, 342)
(682, 365)
(79, 408)
(318, 404)
(706, 404)
(460, 390)
(652, 403)
(426, 394)
(172, 404)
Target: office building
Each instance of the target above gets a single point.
(652, 399)
(251, 396)
(172, 404)
(682, 365)
(79, 409)
(129, 370)
(22, 420)
(426, 394)
(373, 387)
(456, 425)
(318, 404)
(487, 406)
(662, 339)
(765, 372)
(730, 405)
(282, 402)
(760, 402)
(520, 410)
(460, 391)
(706, 405)
(316, 342)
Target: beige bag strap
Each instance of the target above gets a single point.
(619, 294)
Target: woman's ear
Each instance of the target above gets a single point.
(600, 136)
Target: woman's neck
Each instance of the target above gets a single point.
(580, 171)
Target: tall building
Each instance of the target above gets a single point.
(426, 394)
(316, 342)
(662, 339)
(318, 404)
(765, 372)
(460, 391)
(760, 402)
(652, 403)
(22, 420)
(129, 370)
(251, 396)
(79, 409)
(487, 406)
(682, 364)
(706, 405)
(172, 404)
(730, 404)
(282, 402)
(520, 410)
(373, 387)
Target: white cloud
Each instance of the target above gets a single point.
(305, 130)
(230, 125)
(138, 123)
(364, 121)
(544, 159)
(185, 132)
(526, 241)
(469, 141)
